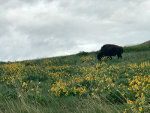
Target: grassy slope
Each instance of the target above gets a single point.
(50, 104)
(140, 47)
(145, 44)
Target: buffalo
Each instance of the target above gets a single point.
(110, 50)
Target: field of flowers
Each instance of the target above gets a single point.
(126, 84)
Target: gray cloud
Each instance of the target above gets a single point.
(44, 28)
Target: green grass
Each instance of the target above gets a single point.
(136, 48)
(40, 70)
(145, 44)
(140, 47)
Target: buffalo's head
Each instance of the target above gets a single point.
(100, 55)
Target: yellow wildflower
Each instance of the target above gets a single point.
(19, 95)
(140, 109)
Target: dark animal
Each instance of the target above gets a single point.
(110, 50)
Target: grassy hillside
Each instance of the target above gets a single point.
(145, 44)
(78, 83)
(140, 47)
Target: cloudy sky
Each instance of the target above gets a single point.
(32, 29)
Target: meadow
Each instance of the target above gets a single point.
(78, 84)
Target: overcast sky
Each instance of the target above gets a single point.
(32, 29)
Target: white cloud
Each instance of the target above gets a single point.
(44, 28)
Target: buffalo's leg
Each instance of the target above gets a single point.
(119, 56)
